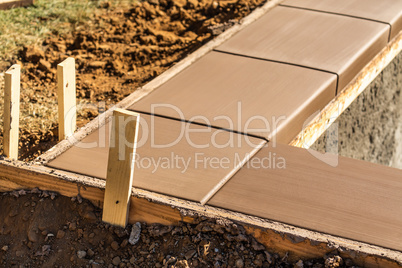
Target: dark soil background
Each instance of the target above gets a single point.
(42, 229)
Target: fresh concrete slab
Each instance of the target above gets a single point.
(258, 97)
(173, 157)
(338, 44)
(386, 11)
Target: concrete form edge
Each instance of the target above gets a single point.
(323, 120)
(301, 243)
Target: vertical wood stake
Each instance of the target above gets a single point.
(66, 98)
(120, 169)
(11, 111)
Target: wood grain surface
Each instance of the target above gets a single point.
(12, 84)
(66, 98)
(120, 167)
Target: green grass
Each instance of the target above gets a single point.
(31, 25)
(25, 26)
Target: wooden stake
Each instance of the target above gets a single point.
(12, 111)
(120, 169)
(67, 100)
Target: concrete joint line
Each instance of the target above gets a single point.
(222, 182)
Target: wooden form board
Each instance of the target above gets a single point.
(120, 167)
(11, 111)
(66, 94)
(286, 240)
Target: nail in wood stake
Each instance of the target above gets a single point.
(120, 169)
(12, 111)
(66, 98)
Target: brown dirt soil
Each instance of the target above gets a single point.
(41, 229)
(116, 52)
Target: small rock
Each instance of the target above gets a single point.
(81, 254)
(268, 257)
(239, 263)
(298, 264)
(53, 195)
(90, 252)
(60, 234)
(90, 215)
(241, 238)
(333, 262)
(190, 254)
(4, 248)
(33, 236)
(22, 192)
(258, 263)
(114, 245)
(44, 65)
(135, 234)
(72, 226)
(257, 246)
(170, 260)
(36, 189)
(97, 64)
(33, 54)
(182, 264)
(116, 260)
(44, 252)
(124, 243)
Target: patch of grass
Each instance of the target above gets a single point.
(31, 25)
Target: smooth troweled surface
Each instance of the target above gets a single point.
(333, 43)
(387, 11)
(173, 157)
(355, 199)
(246, 95)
